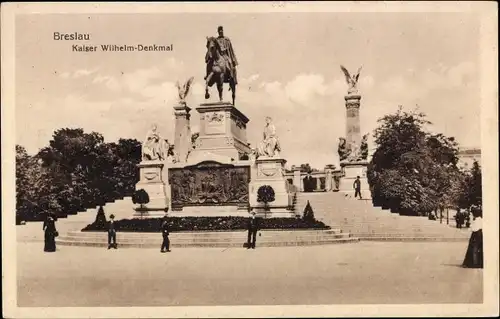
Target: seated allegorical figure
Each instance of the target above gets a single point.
(270, 145)
(154, 147)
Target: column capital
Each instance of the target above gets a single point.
(180, 110)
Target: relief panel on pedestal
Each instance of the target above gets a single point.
(214, 184)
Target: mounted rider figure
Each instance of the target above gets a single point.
(227, 52)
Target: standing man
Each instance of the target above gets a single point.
(165, 230)
(253, 227)
(357, 188)
(112, 232)
(227, 53)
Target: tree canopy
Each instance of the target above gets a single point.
(412, 170)
(76, 171)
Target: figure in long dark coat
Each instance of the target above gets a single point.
(253, 227)
(112, 232)
(165, 231)
(49, 226)
(474, 255)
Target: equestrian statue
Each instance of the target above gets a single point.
(221, 64)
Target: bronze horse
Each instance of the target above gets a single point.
(218, 70)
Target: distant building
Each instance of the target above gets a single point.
(467, 156)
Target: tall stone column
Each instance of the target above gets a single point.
(351, 169)
(353, 131)
(182, 139)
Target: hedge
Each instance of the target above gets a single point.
(184, 224)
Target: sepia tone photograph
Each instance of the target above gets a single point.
(224, 160)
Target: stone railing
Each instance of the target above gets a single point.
(326, 180)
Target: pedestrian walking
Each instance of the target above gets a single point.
(165, 231)
(253, 227)
(112, 232)
(357, 188)
(474, 255)
(49, 227)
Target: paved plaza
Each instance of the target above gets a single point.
(359, 273)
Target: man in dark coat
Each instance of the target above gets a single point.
(357, 188)
(49, 226)
(253, 227)
(165, 231)
(112, 232)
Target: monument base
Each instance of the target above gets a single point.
(222, 130)
(270, 171)
(350, 170)
(151, 181)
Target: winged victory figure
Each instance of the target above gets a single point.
(184, 90)
(352, 81)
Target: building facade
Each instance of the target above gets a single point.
(467, 156)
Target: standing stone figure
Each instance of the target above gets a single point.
(154, 147)
(363, 149)
(270, 146)
(352, 81)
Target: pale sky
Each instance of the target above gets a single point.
(289, 70)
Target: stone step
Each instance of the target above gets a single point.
(104, 238)
(412, 239)
(360, 217)
(215, 233)
(212, 244)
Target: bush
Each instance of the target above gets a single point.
(186, 224)
(140, 197)
(308, 213)
(265, 194)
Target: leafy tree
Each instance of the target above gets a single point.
(412, 171)
(475, 186)
(471, 188)
(36, 188)
(75, 172)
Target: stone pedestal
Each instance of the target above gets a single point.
(353, 132)
(349, 173)
(182, 139)
(271, 171)
(222, 130)
(328, 179)
(151, 180)
(297, 179)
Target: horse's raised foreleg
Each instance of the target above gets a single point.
(207, 81)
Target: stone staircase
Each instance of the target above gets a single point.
(32, 231)
(267, 238)
(70, 234)
(366, 222)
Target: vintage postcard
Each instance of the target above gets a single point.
(272, 159)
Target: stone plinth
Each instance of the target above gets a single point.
(349, 173)
(182, 139)
(328, 179)
(222, 130)
(297, 180)
(271, 171)
(151, 180)
(353, 132)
